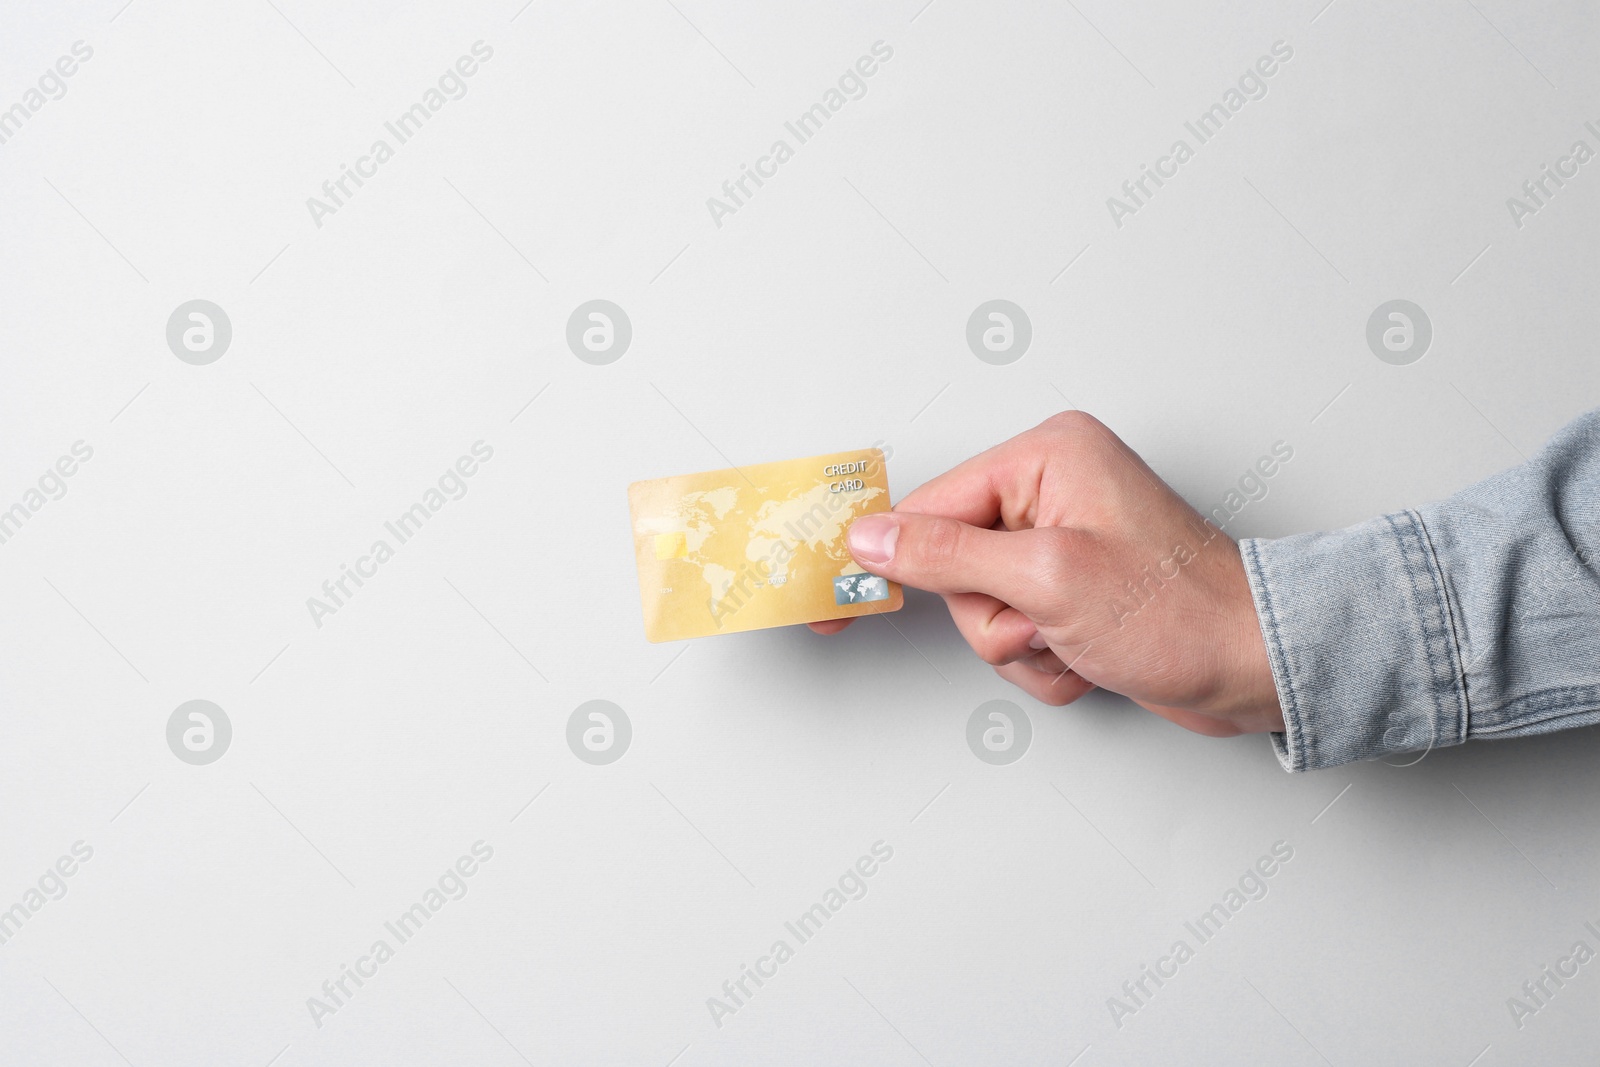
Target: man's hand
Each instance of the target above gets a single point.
(1067, 564)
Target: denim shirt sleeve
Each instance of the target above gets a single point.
(1477, 616)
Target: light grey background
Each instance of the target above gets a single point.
(829, 312)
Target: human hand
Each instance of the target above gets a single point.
(1067, 564)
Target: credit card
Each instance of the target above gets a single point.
(751, 547)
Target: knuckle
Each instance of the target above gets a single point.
(1055, 558)
(1089, 440)
(1049, 555)
(937, 545)
(989, 649)
(1074, 423)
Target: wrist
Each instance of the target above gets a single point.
(1250, 692)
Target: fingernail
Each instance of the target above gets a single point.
(1037, 641)
(872, 538)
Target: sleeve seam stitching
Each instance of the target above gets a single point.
(1454, 648)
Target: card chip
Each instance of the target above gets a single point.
(671, 545)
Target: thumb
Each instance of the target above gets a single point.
(944, 555)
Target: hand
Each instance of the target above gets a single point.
(1067, 564)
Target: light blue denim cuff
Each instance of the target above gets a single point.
(1364, 648)
(1378, 635)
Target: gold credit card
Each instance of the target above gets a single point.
(751, 547)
